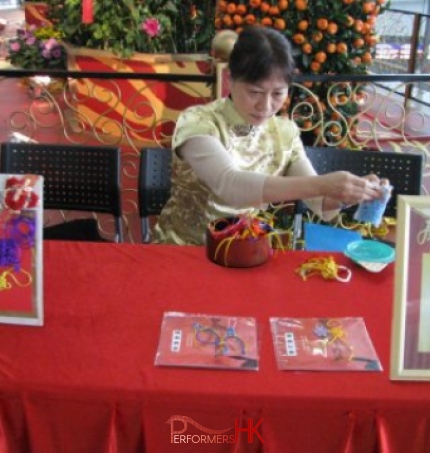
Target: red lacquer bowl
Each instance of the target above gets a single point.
(226, 251)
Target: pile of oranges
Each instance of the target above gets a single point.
(333, 37)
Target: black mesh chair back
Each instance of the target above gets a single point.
(76, 177)
(154, 185)
(403, 170)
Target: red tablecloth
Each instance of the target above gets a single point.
(85, 382)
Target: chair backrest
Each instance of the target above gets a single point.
(154, 185)
(403, 170)
(76, 177)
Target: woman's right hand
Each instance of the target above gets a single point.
(349, 189)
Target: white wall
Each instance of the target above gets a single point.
(416, 6)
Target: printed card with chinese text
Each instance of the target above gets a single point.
(207, 341)
(324, 344)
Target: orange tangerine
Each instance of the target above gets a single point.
(228, 21)
(315, 66)
(264, 7)
(310, 99)
(301, 5)
(299, 38)
(368, 7)
(332, 28)
(283, 5)
(317, 36)
(371, 40)
(241, 9)
(366, 28)
(231, 8)
(335, 129)
(359, 42)
(358, 25)
(366, 57)
(341, 47)
(303, 25)
(349, 21)
(222, 6)
(250, 19)
(280, 24)
(307, 48)
(322, 24)
(333, 101)
(274, 11)
(254, 3)
(331, 47)
(237, 19)
(320, 57)
(266, 21)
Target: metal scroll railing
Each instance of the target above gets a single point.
(132, 110)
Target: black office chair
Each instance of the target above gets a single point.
(403, 170)
(154, 185)
(76, 178)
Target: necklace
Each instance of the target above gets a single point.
(242, 130)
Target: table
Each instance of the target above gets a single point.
(85, 382)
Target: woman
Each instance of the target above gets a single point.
(234, 155)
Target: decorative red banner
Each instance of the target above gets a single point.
(87, 11)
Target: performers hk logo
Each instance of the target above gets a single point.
(210, 436)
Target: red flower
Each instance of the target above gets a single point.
(151, 27)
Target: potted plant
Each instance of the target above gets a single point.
(145, 36)
(37, 48)
(128, 26)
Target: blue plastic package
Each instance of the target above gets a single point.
(373, 211)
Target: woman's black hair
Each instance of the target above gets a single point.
(258, 52)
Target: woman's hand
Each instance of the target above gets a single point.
(349, 189)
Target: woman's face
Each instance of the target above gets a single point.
(258, 101)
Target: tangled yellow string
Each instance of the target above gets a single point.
(8, 276)
(324, 266)
(366, 229)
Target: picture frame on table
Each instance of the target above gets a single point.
(410, 334)
(21, 250)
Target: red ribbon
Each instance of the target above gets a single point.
(87, 11)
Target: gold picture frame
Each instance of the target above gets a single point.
(410, 334)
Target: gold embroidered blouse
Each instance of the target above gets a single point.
(270, 149)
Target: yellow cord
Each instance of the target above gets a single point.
(326, 267)
(5, 284)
